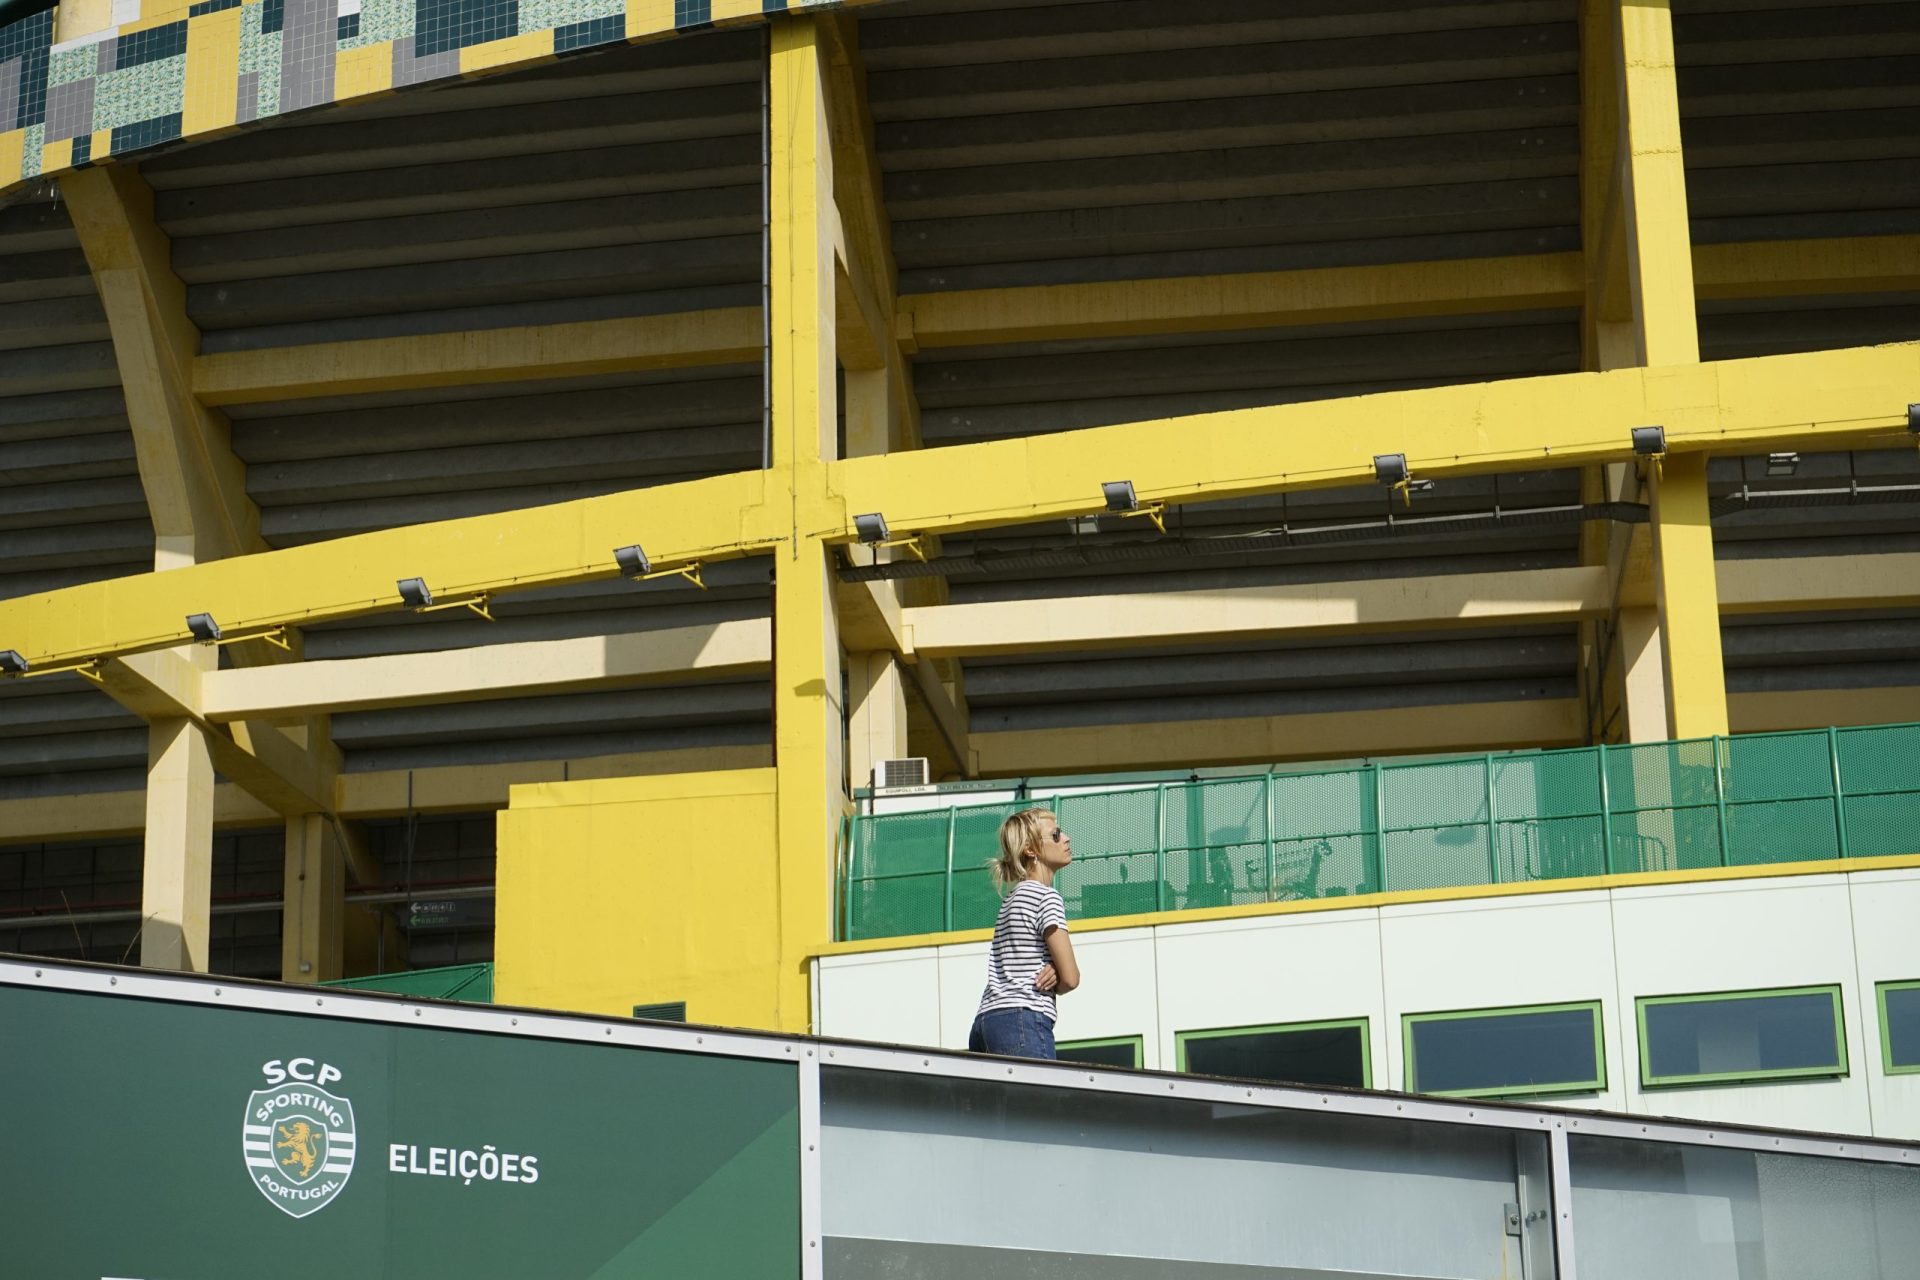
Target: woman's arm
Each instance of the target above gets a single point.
(1063, 975)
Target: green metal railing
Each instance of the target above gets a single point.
(1475, 820)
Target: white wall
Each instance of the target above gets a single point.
(1853, 929)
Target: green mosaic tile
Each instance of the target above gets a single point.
(140, 93)
(30, 160)
(380, 21)
(73, 64)
(540, 15)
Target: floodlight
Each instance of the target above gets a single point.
(1782, 464)
(632, 561)
(1913, 418)
(1391, 468)
(1120, 496)
(871, 527)
(203, 627)
(1650, 442)
(11, 663)
(414, 593)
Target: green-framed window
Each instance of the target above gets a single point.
(1733, 1037)
(1337, 1053)
(1506, 1053)
(1115, 1051)
(1900, 1027)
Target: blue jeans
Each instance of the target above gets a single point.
(1012, 1033)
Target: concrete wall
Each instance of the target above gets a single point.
(1611, 945)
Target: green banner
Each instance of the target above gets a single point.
(144, 1140)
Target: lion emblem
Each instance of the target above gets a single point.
(299, 1139)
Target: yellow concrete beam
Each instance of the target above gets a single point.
(1887, 581)
(195, 485)
(945, 707)
(1252, 613)
(527, 669)
(1796, 268)
(691, 339)
(1254, 300)
(1854, 397)
(716, 518)
(1485, 726)
(1820, 708)
(105, 815)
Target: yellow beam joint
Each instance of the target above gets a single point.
(1659, 253)
(1255, 300)
(1854, 397)
(526, 669)
(1689, 599)
(1484, 726)
(687, 340)
(708, 519)
(1255, 613)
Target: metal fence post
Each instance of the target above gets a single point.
(1493, 825)
(1160, 847)
(953, 820)
(1379, 831)
(1270, 821)
(1839, 791)
(1606, 812)
(856, 828)
(1720, 801)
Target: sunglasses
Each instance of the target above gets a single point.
(1056, 835)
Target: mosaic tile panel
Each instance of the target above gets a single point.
(125, 88)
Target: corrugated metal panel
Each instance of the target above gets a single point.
(1799, 120)
(613, 184)
(1025, 145)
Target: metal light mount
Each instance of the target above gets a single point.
(636, 565)
(1780, 465)
(1390, 469)
(1913, 422)
(417, 596)
(204, 630)
(1650, 443)
(1123, 502)
(872, 531)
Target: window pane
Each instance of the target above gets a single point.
(1903, 1026)
(1317, 1056)
(1124, 1053)
(1511, 1052)
(1741, 1036)
(1659, 1211)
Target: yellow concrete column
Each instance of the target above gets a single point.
(1659, 248)
(877, 723)
(1643, 674)
(1689, 598)
(313, 896)
(808, 725)
(177, 875)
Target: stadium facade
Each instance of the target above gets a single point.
(1428, 491)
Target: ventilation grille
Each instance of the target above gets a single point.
(894, 775)
(668, 1011)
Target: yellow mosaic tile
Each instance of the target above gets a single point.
(648, 17)
(213, 72)
(56, 156)
(13, 149)
(101, 146)
(369, 69)
(499, 53)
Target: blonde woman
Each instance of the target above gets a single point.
(1031, 961)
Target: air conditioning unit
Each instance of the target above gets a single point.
(901, 777)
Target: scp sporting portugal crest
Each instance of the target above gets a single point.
(299, 1143)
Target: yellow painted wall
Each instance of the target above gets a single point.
(623, 891)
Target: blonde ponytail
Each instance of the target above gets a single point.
(1020, 837)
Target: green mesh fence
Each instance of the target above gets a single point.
(1476, 820)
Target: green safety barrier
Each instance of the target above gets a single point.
(1475, 820)
(469, 982)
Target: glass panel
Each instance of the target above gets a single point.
(1102, 1053)
(1740, 1036)
(1901, 1010)
(1332, 1055)
(1501, 1052)
(971, 1180)
(1659, 1211)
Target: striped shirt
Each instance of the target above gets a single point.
(1020, 949)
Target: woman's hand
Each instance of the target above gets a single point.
(1046, 979)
